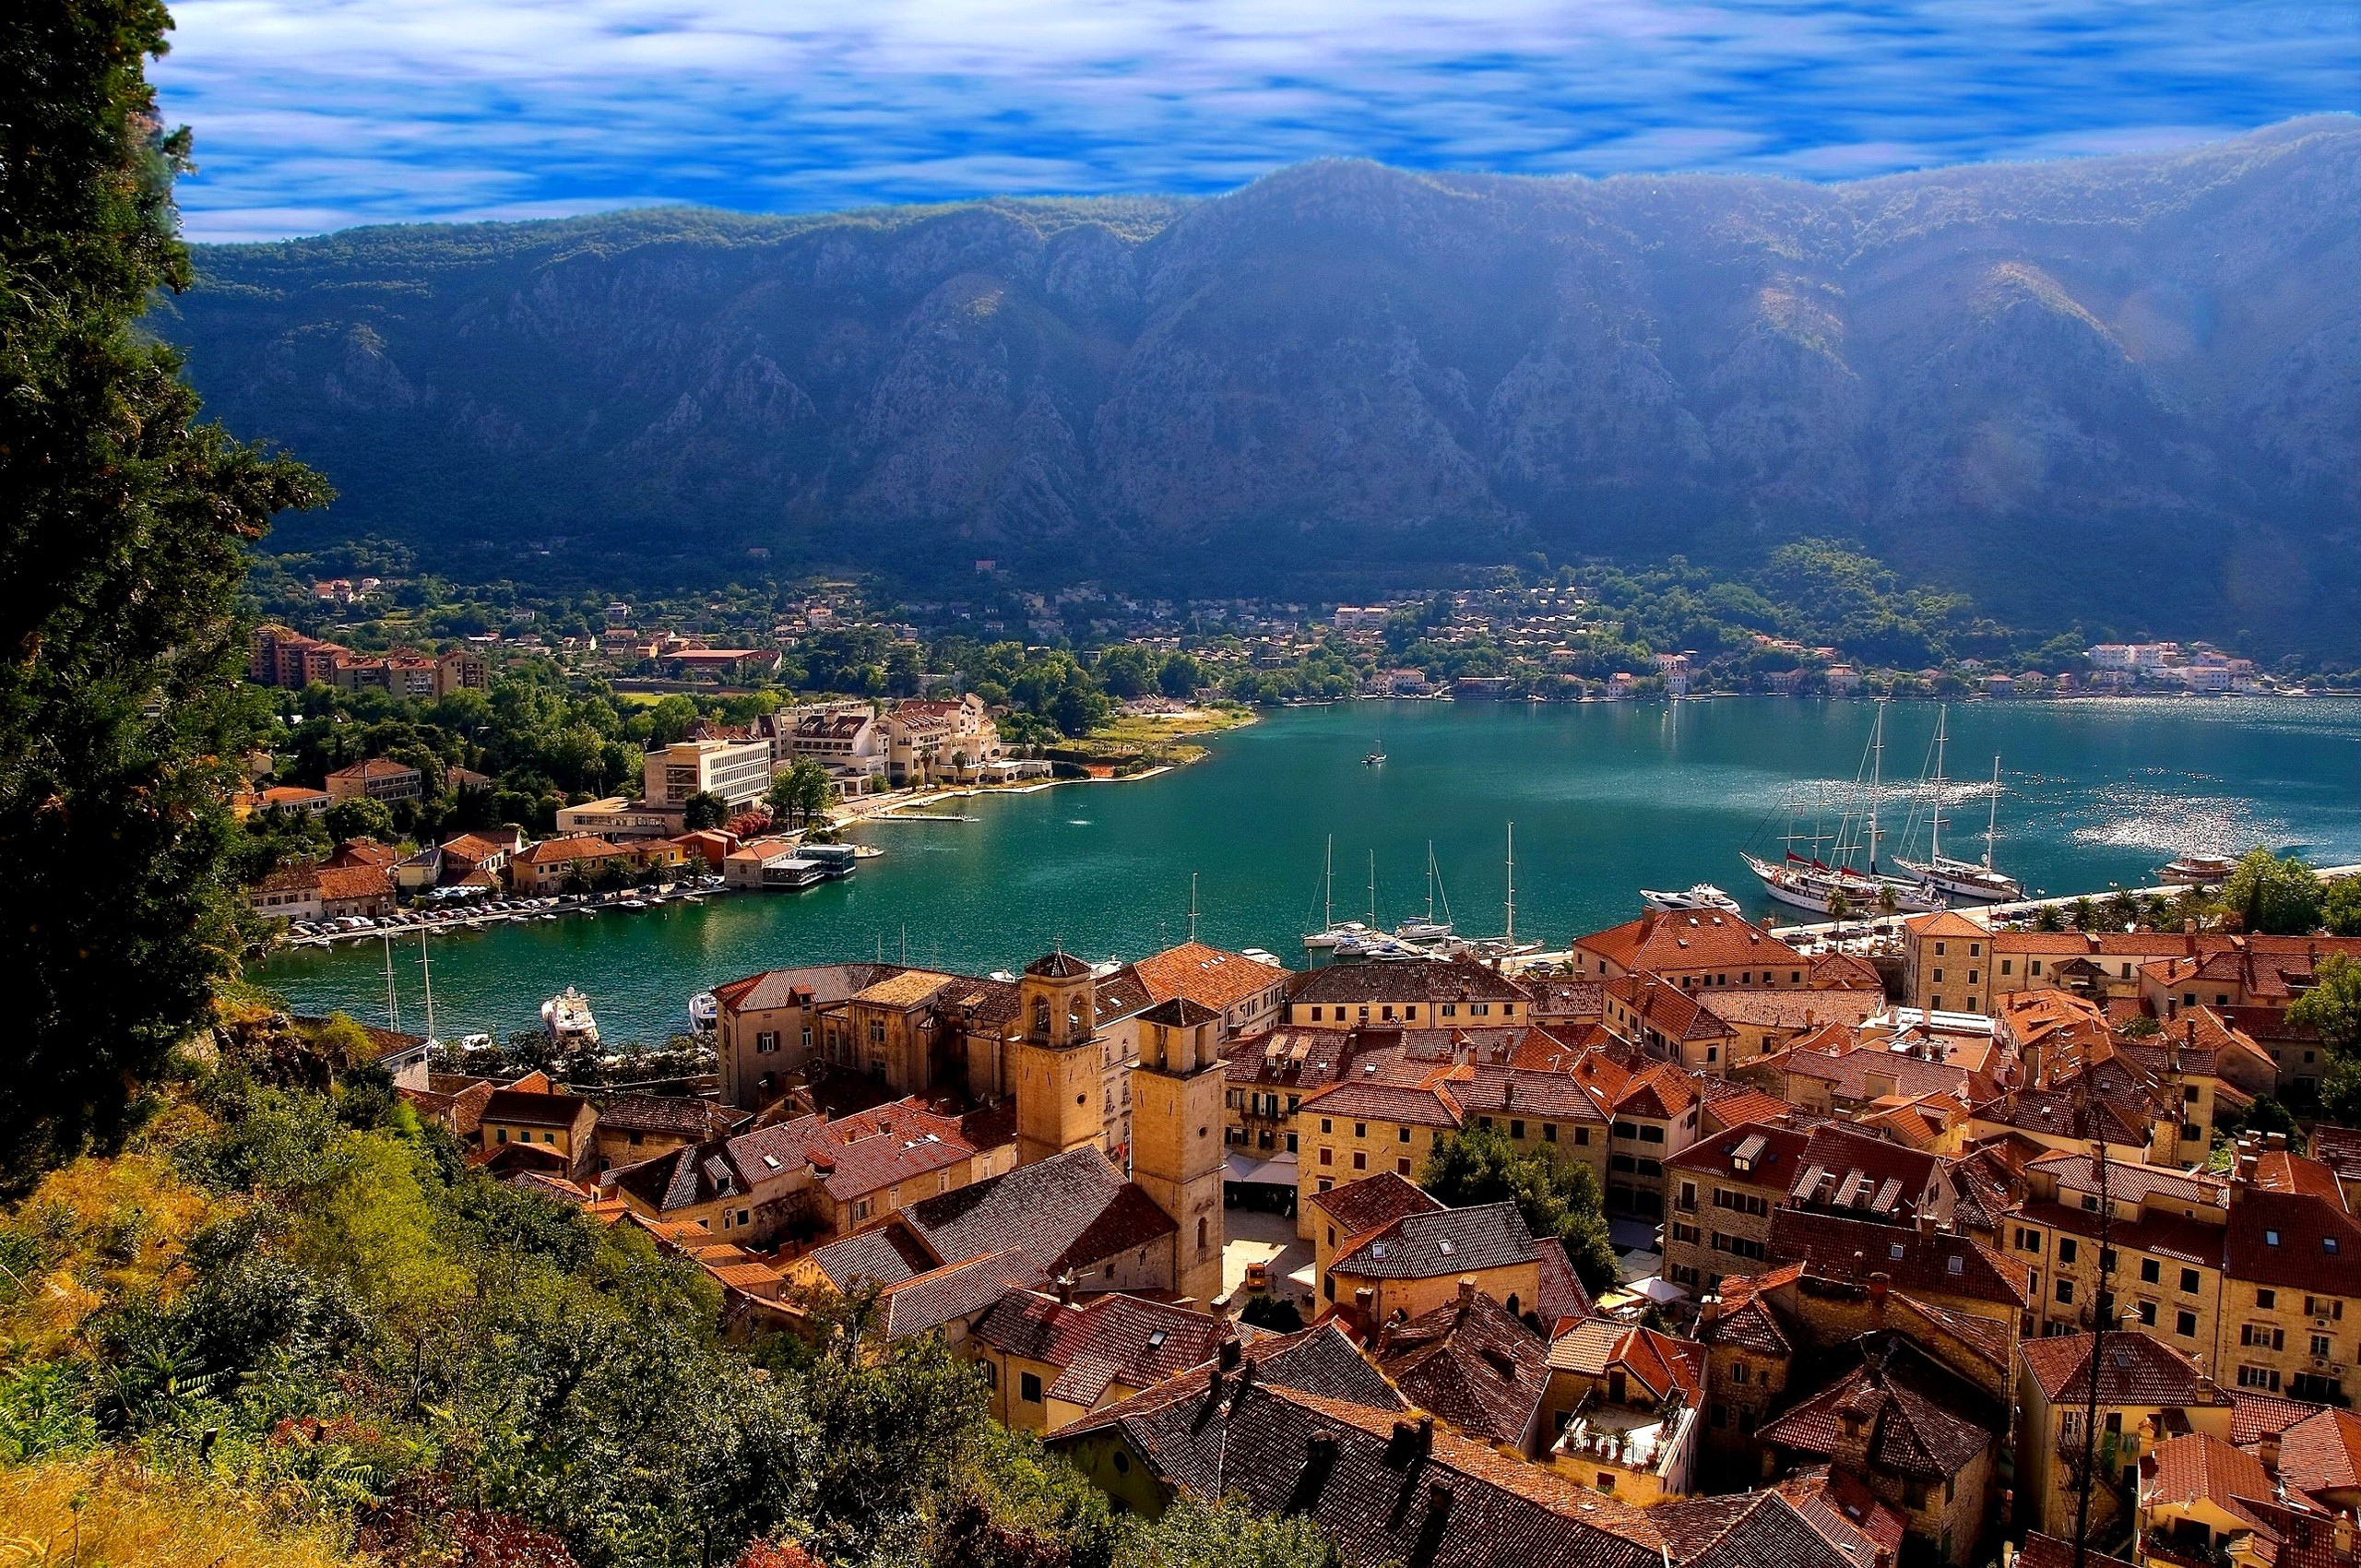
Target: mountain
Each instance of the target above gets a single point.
(2124, 390)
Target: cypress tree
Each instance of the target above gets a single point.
(124, 526)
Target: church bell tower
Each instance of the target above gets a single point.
(1057, 1061)
(1176, 1154)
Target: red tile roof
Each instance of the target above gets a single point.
(2137, 1369)
(1206, 976)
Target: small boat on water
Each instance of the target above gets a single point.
(1698, 896)
(2197, 871)
(705, 1012)
(568, 1020)
(1429, 928)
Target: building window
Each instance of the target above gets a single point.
(1361, 1159)
(2151, 1271)
(1327, 1125)
(2189, 1281)
(1327, 1155)
(1028, 1387)
(1401, 1166)
(2066, 1292)
(2067, 1251)
(1402, 1135)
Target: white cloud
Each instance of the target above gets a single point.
(319, 113)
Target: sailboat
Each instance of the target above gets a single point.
(1965, 878)
(1376, 758)
(1331, 931)
(1810, 883)
(1427, 928)
(1506, 946)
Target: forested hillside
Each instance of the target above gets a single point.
(2125, 386)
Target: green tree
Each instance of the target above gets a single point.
(1478, 1167)
(703, 809)
(2340, 908)
(2332, 1009)
(360, 817)
(2275, 896)
(124, 524)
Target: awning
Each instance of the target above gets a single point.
(1246, 1169)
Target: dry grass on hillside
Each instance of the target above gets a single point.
(108, 1513)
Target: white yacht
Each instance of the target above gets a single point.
(2197, 871)
(705, 1012)
(1698, 896)
(567, 1017)
(1427, 928)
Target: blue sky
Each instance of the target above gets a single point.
(318, 114)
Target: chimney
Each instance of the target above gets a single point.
(2341, 1533)
(2268, 1452)
(1877, 1283)
(1232, 1351)
(1466, 1292)
(1508, 1092)
(1065, 1289)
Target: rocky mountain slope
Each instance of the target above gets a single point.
(2126, 388)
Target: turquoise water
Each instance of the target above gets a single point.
(1606, 798)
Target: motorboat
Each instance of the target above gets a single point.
(2197, 871)
(705, 1012)
(568, 1020)
(1698, 896)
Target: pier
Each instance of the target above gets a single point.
(1985, 914)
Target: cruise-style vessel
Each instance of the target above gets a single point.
(1965, 878)
(567, 1018)
(2197, 871)
(1808, 881)
(1698, 896)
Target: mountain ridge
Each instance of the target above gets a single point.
(2093, 366)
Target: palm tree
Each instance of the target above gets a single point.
(1889, 901)
(1840, 910)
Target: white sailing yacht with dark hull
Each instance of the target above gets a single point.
(1965, 878)
(1807, 882)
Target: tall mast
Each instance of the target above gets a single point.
(1328, 898)
(393, 997)
(1192, 906)
(1877, 771)
(1512, 932)
(426, 972)
(1992, 821)
(1935, 842)
(1430, 881)
(1372, 890)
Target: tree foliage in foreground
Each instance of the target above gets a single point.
(1473, 1165)
(123, 530)
(305, 1309)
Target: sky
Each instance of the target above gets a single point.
(312, 115)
